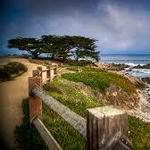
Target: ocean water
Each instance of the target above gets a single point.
(126, 59)
(131, 60)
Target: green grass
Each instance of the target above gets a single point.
(139, 133)
(11, 70)
(26, 135)
(69, 95)
(66, 135)
(73, 97)
(99, 79)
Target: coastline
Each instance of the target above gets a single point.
(143, 109)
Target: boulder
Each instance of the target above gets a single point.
(146, 80)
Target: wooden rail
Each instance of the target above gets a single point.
(106, 128)
(46, 135)
(75, 120)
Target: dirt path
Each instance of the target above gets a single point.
(11, 95)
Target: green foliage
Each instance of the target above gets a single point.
(12, 69)
(68, 94)
(26, 135)
(84, 48)
(99, 79)
(66, 135)
(80, 62)
(139, 133)
(72, 97)
(69, 139)
(60, 47)
(31, 45)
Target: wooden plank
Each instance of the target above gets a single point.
(105, 127)
(75, 120)
(46, 135)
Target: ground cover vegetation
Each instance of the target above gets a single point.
(11, 70)
(71, 91)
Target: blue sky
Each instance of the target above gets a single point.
(120, 26)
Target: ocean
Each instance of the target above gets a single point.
(126, 59)
(131, 60)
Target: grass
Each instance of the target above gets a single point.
(139, 133)
(67, 94)
(26, 135)
(73, 97)
(99, 79)
(66, 135)
(11, 70)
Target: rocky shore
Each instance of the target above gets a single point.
(143, 110)
(146, 66)
(146, 80)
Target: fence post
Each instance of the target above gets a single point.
(55, 70)
(35, 103)
(48, 73)
(105, 126)
(40, 70)
(35, 73)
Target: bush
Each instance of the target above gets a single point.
(7, 72)
(80, 62)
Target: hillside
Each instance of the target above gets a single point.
(80, 88)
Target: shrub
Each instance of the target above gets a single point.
(80, 62)
(8, 71)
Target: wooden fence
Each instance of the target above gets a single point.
(105, 128)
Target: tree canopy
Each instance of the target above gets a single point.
(62, 47)
(31, 45)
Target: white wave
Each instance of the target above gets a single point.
(139, 72)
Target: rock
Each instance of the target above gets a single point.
(117, 67)
(146, 66)
(146, 80)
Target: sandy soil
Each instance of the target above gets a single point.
(11, 96)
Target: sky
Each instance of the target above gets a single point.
(120, 26)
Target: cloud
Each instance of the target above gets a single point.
(117, 25)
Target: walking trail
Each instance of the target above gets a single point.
(11, 96)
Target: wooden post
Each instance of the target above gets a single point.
(51, 74)
(40, 71)
(48, 73)
(55, 71)
(35, 73)
(105, 126)
(35, 103)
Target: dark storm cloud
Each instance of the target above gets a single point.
(50, 7)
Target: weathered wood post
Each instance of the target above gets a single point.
(40, 69)
(35, 103)
(51, 73)
(55, 70)
(48, 73)
(105, 126)
(35, 73)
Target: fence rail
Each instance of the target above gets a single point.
(75, 120)
(46, 135)
(106, 128)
